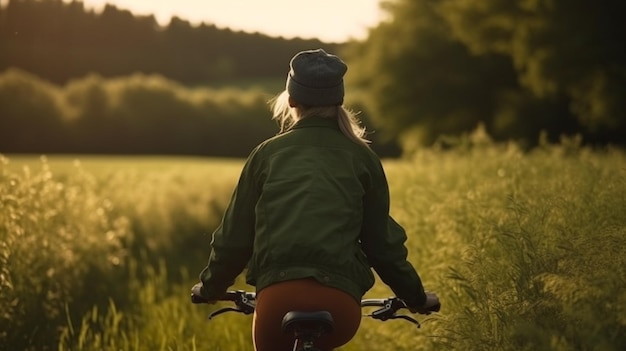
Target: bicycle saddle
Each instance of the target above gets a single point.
(298, 321)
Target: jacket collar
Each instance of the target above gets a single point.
(314, 121)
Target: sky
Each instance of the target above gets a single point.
(327, 20)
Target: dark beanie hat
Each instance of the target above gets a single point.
(316, 78)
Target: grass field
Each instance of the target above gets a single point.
(526, 250)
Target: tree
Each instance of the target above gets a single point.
(418, 82)
(30, 115)
(521, 68)
(570, 48)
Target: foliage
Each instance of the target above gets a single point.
(431, 69)
(32, 102)
(423, 80)
(164, 319)
(520, 68)
(137, 114)
(524, 249)
(532, 244)
(570, 48)
(134, 114)
(76, 42)
(70, 241)
(54, 233)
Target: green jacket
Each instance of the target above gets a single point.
(311, 203)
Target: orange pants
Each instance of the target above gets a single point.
(274, 301)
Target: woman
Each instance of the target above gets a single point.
(310, 215)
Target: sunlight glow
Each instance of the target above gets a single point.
(327, 20)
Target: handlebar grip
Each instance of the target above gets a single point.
(198, 299)
(431, 309)
(436, 308)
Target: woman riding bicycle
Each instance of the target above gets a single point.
(309, 217)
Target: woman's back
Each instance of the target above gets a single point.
(312, 181)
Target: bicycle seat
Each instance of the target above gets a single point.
(299, 321)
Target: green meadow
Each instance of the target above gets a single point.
(526, 249)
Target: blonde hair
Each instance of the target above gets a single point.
(288, 116)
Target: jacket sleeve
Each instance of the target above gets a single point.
(383, 242)
(232, 242)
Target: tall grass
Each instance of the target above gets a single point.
(53, 234)
(525, 249)
(70, 240)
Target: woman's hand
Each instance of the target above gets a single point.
(196, 291)
(432, 304)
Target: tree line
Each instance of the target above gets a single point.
(135, 114)
(59, 40)
(431, 72)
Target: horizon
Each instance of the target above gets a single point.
(274, 18)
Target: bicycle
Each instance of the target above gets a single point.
(306, 327)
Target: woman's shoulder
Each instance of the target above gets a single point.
(294, 140)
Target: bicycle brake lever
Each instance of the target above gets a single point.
(408, 318)
(245, 308)
(381, 314)
(223, 310)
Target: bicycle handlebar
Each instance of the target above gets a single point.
(245, 303)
